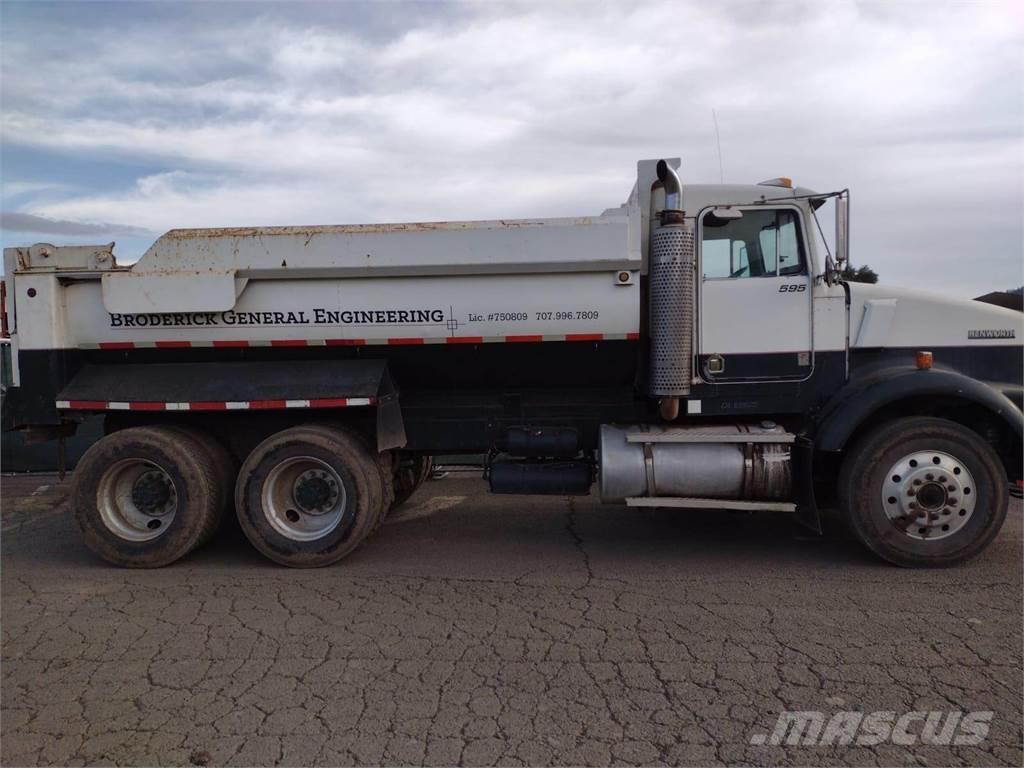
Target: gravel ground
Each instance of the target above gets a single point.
(484, 630)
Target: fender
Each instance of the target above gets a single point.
(862, 396)
(224, 386)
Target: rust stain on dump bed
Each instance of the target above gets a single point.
(363, 229)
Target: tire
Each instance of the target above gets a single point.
(146, 496)
(225, 468)
(410, 472)
(383, 463)
(885, 478)
(385, 467)
(338, 504)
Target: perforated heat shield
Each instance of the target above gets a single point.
(671, 278)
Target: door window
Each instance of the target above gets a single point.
(761, 243)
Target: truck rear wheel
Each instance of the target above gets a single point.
(385, 467)
(410, 473)
(307, 496)
(224, 467)
(146, 496)
(923, 492)
(383, 461)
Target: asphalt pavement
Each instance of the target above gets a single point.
(486, 630)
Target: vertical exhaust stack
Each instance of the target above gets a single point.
(671, 276)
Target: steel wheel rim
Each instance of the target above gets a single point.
(304, 498)
(137, 500)
(929, 495)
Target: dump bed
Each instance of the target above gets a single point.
(452, 282)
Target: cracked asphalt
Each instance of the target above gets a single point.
(483, 630)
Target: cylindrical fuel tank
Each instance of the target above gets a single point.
(717, 462)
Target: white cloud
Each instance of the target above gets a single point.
(26, 222)
(507, 110)
(9, 189)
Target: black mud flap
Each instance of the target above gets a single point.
(390, 425)
(803, 482)
(246, 382)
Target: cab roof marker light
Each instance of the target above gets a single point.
(781, 181)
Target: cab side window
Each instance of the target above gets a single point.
(761, 243)
(725, 258)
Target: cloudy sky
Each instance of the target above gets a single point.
(120, 121)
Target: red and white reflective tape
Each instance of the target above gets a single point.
(213, 405)
(390, 341)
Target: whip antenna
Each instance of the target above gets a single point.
(718, 140)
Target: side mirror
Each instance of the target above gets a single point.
(842, 230)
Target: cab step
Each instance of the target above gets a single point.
(695, 503)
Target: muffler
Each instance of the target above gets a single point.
(671, 293)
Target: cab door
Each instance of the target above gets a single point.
(755, 295)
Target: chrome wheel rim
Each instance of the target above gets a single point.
(137, 500)
(929, 495)
(304, 498)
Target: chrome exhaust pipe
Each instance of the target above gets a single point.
(673, 187)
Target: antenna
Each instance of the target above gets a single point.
(718, 139)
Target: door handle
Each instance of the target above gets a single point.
(714, 365)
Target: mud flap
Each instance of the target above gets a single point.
(803, 484)
(390, 425)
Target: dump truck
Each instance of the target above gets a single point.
(693, 348)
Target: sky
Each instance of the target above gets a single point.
(119, 121)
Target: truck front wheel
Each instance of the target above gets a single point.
(146, 496)
(308, 496)
(923, 492)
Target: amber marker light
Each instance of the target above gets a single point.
(924, 360)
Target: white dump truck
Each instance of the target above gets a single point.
(694, 347)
